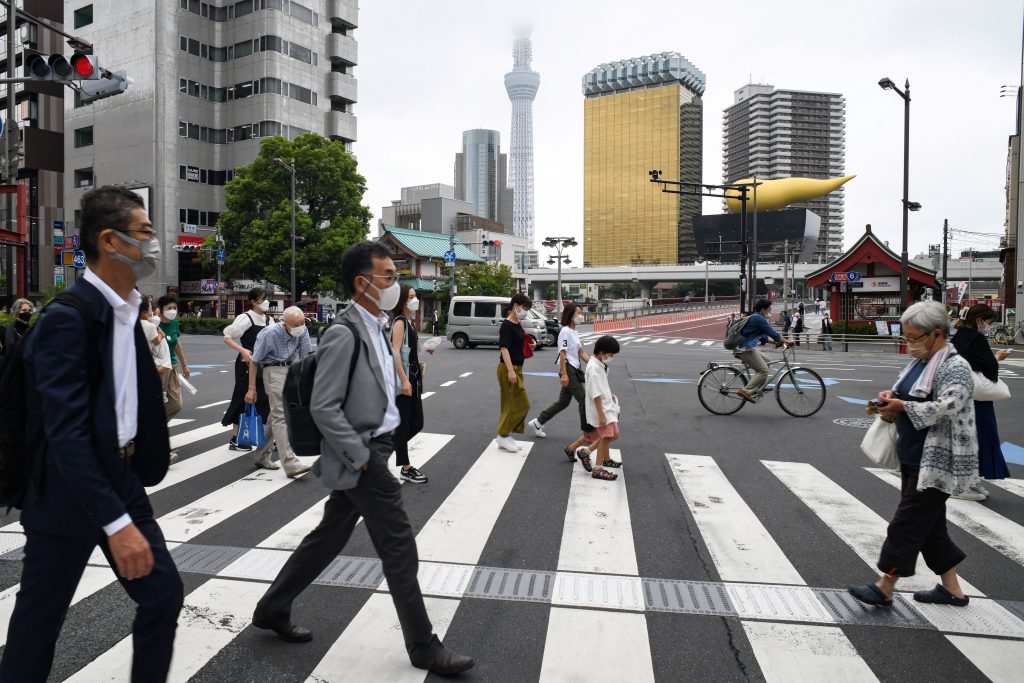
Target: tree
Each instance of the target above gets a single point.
(329, 217)
(486, 279)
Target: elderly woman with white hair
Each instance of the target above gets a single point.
(937, 446)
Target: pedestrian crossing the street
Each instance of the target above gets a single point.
(789, 628)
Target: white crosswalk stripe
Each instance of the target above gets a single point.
(596, 584)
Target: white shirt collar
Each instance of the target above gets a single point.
(371, 320)
(112, 297)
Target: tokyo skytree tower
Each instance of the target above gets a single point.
(522, 83)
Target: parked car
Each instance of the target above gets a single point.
(476, 320)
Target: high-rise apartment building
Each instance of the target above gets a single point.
(481, 172)
(639, 115)
(521, 84)
(790, 133)
(211, 79)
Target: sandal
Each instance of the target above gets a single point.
(569, 454)
(604, 474)
(583, 453)
(612, 463)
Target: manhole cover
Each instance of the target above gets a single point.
(855, 422)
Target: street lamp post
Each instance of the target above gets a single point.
(291, 169)
(887, 84)
(559, 244)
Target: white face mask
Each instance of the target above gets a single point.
(607, 361)
(521, 313)
(261, 306)
(388, 296)
(578, 319)
(155, 320)
(171, 314)
(413, 305)
(297, 331)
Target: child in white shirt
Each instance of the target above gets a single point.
(602, 411)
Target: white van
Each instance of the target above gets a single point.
(476, 320)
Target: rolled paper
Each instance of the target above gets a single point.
(776, 194)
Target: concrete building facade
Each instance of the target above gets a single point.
(211, 79)
(481, 175)
(790, 133)
(641, 114)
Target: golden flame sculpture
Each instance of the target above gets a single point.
(775, 194)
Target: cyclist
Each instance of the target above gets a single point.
(757, 331)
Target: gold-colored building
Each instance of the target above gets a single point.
(640, 114)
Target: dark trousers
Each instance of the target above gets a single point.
(575, 390)
(377, 499)
(410, 408)
(50, 573)
(919, 526)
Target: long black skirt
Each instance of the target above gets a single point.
(237, 406)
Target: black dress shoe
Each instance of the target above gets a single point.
(435, 657)
(284, 628)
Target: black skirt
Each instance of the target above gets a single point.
(237, 406)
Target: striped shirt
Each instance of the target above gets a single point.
(274, 344)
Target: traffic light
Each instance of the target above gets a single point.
(57, 68)
(488, 244)
(114, 83)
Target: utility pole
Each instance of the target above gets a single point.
(706, 299)
(945, 258)
(970, 274)
(451, 245)
(785, 276)
(754, 255)
(9, 170)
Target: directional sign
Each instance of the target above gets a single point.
(449, 256)
(79, 258)
(220, 258)
(67, 257)
(76, 242)
(851, 276)
(68, 243)
(58, 225)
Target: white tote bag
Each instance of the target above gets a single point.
(987, 390)
(879, 444)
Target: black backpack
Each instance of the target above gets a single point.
(734, 332)
(16, 445)
(303, 435)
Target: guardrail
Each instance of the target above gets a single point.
(650, 317)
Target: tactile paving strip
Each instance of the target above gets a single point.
(353, 572)
(442, 580)
(1015, 608)
(982, 617)
(598, 590)
(510, 584)
(846, 609)
(777, 603)
(205, 559)
(687, 597)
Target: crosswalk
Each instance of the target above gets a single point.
(591, 582)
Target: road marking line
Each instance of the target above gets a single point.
(707, 343)
(789, 652)
(987, 526)
(690, 342)
(640, 339)
(178, 422)
(193, 435)
(449, 383)
(657, 341)
(466, 374)
(426, 394)
(739, 544)
(858, 526)
(998, 659)
(211, 405)
(675, 341)
(632, 658)
(196, 465)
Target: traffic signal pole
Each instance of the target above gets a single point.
(9, 154)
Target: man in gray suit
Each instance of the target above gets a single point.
(354, 465)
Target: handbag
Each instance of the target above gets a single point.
(527, 351)
(987, 390)
(250, 428)
(879, 444)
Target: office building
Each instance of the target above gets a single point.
(639, 115)
(434, 208)
(211, 79)
(521, 84)
(481, 175)
(790, 133)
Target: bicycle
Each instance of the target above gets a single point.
(799, 391)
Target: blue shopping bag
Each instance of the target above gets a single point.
(250, 427)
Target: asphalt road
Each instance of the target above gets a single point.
(718, 556)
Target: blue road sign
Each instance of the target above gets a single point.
(79, 261)
(76, 243)
(58, 225)
(449, 256)
(853, 276)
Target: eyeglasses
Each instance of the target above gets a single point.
(908, 340)
(390, 279)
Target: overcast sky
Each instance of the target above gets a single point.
(429, 70)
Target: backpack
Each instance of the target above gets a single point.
(734, 332)
(16, 446)
(303, 435)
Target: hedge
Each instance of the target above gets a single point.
(867, 329)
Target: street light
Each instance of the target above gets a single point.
(291, 169)
(887, 84)
(559, 244)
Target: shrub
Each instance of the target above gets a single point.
(855, 328)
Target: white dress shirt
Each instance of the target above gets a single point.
(126, 387)
(375, 329)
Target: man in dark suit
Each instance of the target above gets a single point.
(357, 441)
(95, 396)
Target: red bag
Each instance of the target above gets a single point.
(527, 351)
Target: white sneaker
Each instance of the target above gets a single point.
(507, 443)
(538, 428)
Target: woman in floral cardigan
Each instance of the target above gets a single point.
(937, 446)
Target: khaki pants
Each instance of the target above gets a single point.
(756, 361)
(276, 427)
(515, 403)
(172, 392)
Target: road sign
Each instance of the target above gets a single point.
(850, 276)
(78, 260)
(67, 257)
(58, 238)
(76, 242)
(220, 258)
(58, 225)
(449, 256)
(58, 275)
(69, 243)
(188, 229)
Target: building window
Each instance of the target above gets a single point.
(182, 216)
(83, 136)
(83, 16)
(83, 177)
(182, 129)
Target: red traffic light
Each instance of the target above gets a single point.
(83, 66)
(497, 243)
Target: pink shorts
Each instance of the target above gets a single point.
(609, 430)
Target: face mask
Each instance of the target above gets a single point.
(921, 348)
(388, 296)
(171, 314)
(150, 250)
(521, 313)
(578, 319)
(297, 331)
(982, 326)
(155, 320)
(261, 306)
(413, 305)
(607, 361)
(25, 316)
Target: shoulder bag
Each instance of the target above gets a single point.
(987, 390)
(879, 444)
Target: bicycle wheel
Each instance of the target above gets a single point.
(800, 392)
(717, 390)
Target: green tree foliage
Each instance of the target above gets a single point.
(256, 223)
(486, 279)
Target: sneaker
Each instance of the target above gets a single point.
(266, 463)
(297, 470)
(583, 453)
(971, 494)
(413, 476)
(538, 428)
(233, 445)
(174, 457)
(507, 443)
